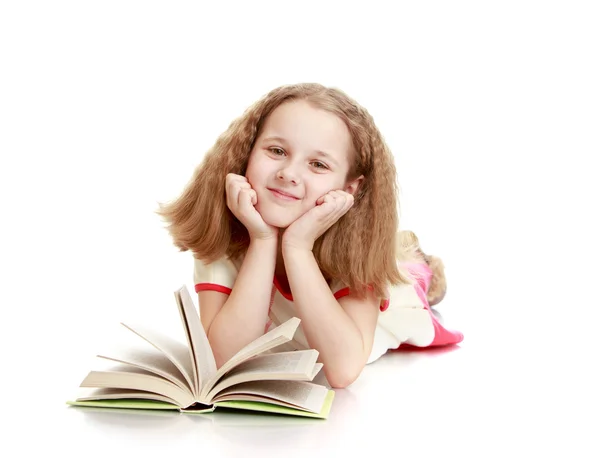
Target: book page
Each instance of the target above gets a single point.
(295, 365)
(316, 369)
(174, 350)
(301, 361)
(152, 361)
(131, 378)
(96, 394)
(277, 336)
(201, 352)
(241, 401)
(304, 395)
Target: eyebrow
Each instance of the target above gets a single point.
(318, 152)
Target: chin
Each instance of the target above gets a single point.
(277, 218)
(280, 222)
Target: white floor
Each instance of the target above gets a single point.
(484, 398)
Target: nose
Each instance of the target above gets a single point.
(288, 173)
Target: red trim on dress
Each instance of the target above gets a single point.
(212, 287)
(383, 306)
(288, 295)
(342, 292)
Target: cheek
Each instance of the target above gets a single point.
(321, 187)
(252, 171)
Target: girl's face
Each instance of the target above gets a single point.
(301, 154)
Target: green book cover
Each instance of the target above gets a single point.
(142, 404)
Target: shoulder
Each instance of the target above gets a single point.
(350, 300)
(343, 293)
(218, 275)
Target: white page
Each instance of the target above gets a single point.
(296, 365)
(202, 355)
(136, 379)
(302, 394)
(174, 350)
(151, 360)
(275, 337)
(93, 394)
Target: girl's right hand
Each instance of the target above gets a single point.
(241, 199)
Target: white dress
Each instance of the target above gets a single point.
(404, 317)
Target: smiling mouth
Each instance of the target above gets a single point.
(282, 196)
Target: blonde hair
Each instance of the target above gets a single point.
(359, 250)
(409, 249)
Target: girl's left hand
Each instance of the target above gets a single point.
(303, 232)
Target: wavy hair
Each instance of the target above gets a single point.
(360, 250)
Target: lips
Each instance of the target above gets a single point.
(282, 194)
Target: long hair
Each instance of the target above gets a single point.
(410, 250)
(359, 250)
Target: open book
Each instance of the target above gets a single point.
(170, 375)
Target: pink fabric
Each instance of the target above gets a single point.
(443, 336)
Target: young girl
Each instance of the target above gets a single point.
(293, 212)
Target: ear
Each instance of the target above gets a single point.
(352, 186)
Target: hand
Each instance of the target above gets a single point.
(241, 199)
(303, 232)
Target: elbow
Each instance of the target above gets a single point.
(343, 377)
(345, 372)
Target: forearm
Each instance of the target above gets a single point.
(243, 316)
(326, 325)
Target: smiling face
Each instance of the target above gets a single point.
(301, 154)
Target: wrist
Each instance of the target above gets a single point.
(264, 242)
(291, 247)
(266, 237)
(289, 242)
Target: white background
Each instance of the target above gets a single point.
(492, 110)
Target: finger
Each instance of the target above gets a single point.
(327, 207)
(231, 178)
(234, 184)
(328, 198)
(232, 192)
(345, 200)
(335, 202)
(349, 200)
(237, 180)
(321, 199)
(342, 195)
(244, 198)
(341, 202)
(229, 182)
(247, 201)
(348, 204)
(337, 195)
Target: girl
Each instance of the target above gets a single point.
(293, 212)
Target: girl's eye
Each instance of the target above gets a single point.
(277, 151)
(319, 165)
